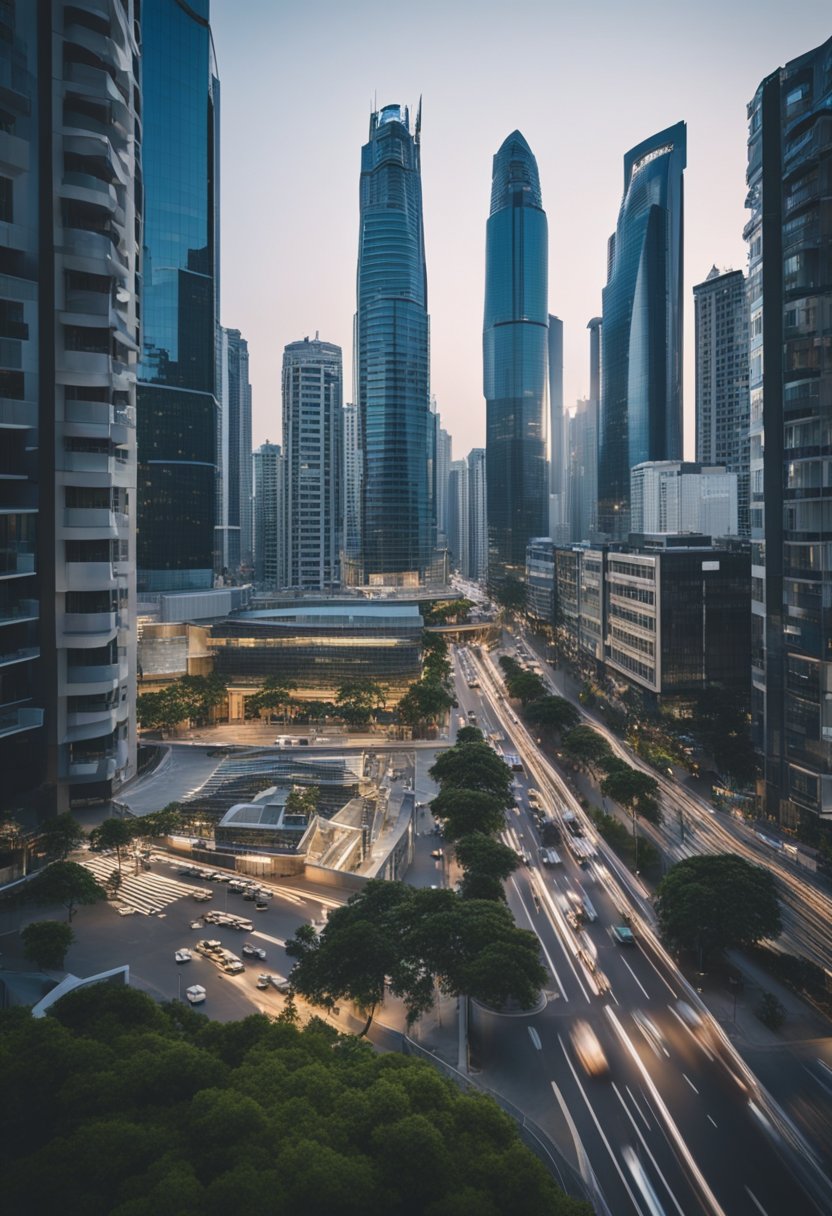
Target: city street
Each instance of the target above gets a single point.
(678, 1123)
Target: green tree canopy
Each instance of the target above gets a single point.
(443, 612)
(275, 694)
(511, 594)
(474, 766)
(303, 800)
(712, 903)
(359, 700)
(46, 942)
(113, 833)
(424, 702)
(125, 1108)
(633, 789)
(470, 734)
(554, 714)
(585, 748)
(162, 710)
(66, 883)
(166, 822)
(463, 811)
(486, 864)
(525, 686)
(201, 694)
(61, 835)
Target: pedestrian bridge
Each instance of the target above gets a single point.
(473, 632)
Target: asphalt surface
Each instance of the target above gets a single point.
(678, 1123)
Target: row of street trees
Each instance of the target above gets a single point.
(428, 700)
(189, 698)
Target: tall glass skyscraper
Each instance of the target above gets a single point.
(177, 396)
(641, 395)
(391, 350)
(515, 361)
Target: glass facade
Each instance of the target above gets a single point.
(177, 396)
(789, 235)
(641, 396)
(515, 359)
(392, 361)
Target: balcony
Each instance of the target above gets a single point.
(17, 560)
(89, 576)
(24, 655)
(95, 628)
(20, 612)
(13, 721)
(95, 769)
(95, 251)
(14, 236)
(19, 415)
(93, 82)
(91, 724)
(14, 154)
(87, 188)
(96, 523)
(89, 462)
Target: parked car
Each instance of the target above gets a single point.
(261, 906)
(276, 981)
(251, 951)
(125, 911)
(195, 994)
(196, 924)
(182, 956)
(202, 897)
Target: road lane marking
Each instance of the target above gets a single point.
(600, 1130)
(710, 1120)
(277, 941)
(535, 1038)
(671, 1127)
(637, 1130)
(690, 1083)
(558, 925)
(548, 956)
(587, 1172)
(672, 991)
(755, 1200)
(636, 1105)
(635, 977)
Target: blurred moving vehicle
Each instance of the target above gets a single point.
(196, 994)
(588, 1049)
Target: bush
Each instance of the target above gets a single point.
(770, 1011)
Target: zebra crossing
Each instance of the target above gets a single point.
(146, 893)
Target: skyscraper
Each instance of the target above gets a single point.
(269, 561)
(515, 334)
(177, 397)
(312, 438)
(789, 236)
(391, 347)
(234, 523)
(558, 447)
(721, 312)
(443, 468)
(69, 324)
(458, 521)
(352, 486)
(477, 557)
(641, 394)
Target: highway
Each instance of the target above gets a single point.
(677, 1124)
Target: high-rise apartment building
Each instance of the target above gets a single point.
(721, 315)
(312, 440)
(641, 391)
(680, 496)
(444, 455)
(477, 566)
(71, 148)
(352, 485)
(789, 236)
(177, 396)
(515, 359)
(558, 441)
(234, 488)
(459, 532)
(392, 362)
(269, 558)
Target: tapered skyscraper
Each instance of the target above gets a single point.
(515, 362)
(391, 350)
(641, 395)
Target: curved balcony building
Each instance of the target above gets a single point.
(391, 351)
(515, 359)
(641, 396)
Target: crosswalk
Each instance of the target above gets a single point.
(147, 893)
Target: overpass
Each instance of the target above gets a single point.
(474, 632)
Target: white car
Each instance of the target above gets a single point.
(124, 911)
(251, 951)
(195, 994)
(588, 1049)
(182, 956)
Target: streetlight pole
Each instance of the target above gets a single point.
(635, 838)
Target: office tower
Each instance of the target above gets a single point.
(234, 524)
(269, 563)
(352, 485)
(515, 334)
(177, 395)
(557, 430)
(721, 312)
(477, 564)
(790, 320)
(443, 468)
(458, 522)
(69, 328)
(590, 450)
(391, 349)
(641, 392)
(312, 438)
(680, 496)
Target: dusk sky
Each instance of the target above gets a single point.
(582, 82)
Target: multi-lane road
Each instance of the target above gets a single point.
(676, 1123)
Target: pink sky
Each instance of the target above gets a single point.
(582, 82)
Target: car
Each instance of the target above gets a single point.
(588, 1049)
(689, 1015)
(276, 981)
(125, 911)
(437, 853)
(249, 895)
(182, 956)
(623, 935)
(232, 966)
(651, 1032)
(263, 982)
(202, 897)
(196, 924)
(196, 994)
(261, 906)
(251, 951)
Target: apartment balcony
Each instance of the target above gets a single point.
(89, 576)
(102, 46)
(92, 82)
(86, 188)
(17, 415)
(16, 561)
(90, 724)
(86, 681)
(83, 630)
(14, 154)
(23, 655)
(94, 251)
(19, 613)
(14, 236)
(95, 769)
(89, 462)
(14, 721)
(94, 523)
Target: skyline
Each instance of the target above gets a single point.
(289, 254)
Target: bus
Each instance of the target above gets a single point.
(514, 762)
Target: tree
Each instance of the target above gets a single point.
(61, 835)
(525, 686)
(113, 883)
(585, 748)
(712, 903)
(275, 694)
(554, 714)
(67, 883)
(470, 734)
(116, 834)
(201, 694)
(45, 942)
(303, 800)
(474, 766)
(633, 789)
(511, 594)
(162, 710)
(444, 611)
(463, 811)
(424, 702)
(358, 701)
(486, 863)
(165, 822)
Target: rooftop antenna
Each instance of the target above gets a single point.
(419, 118)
